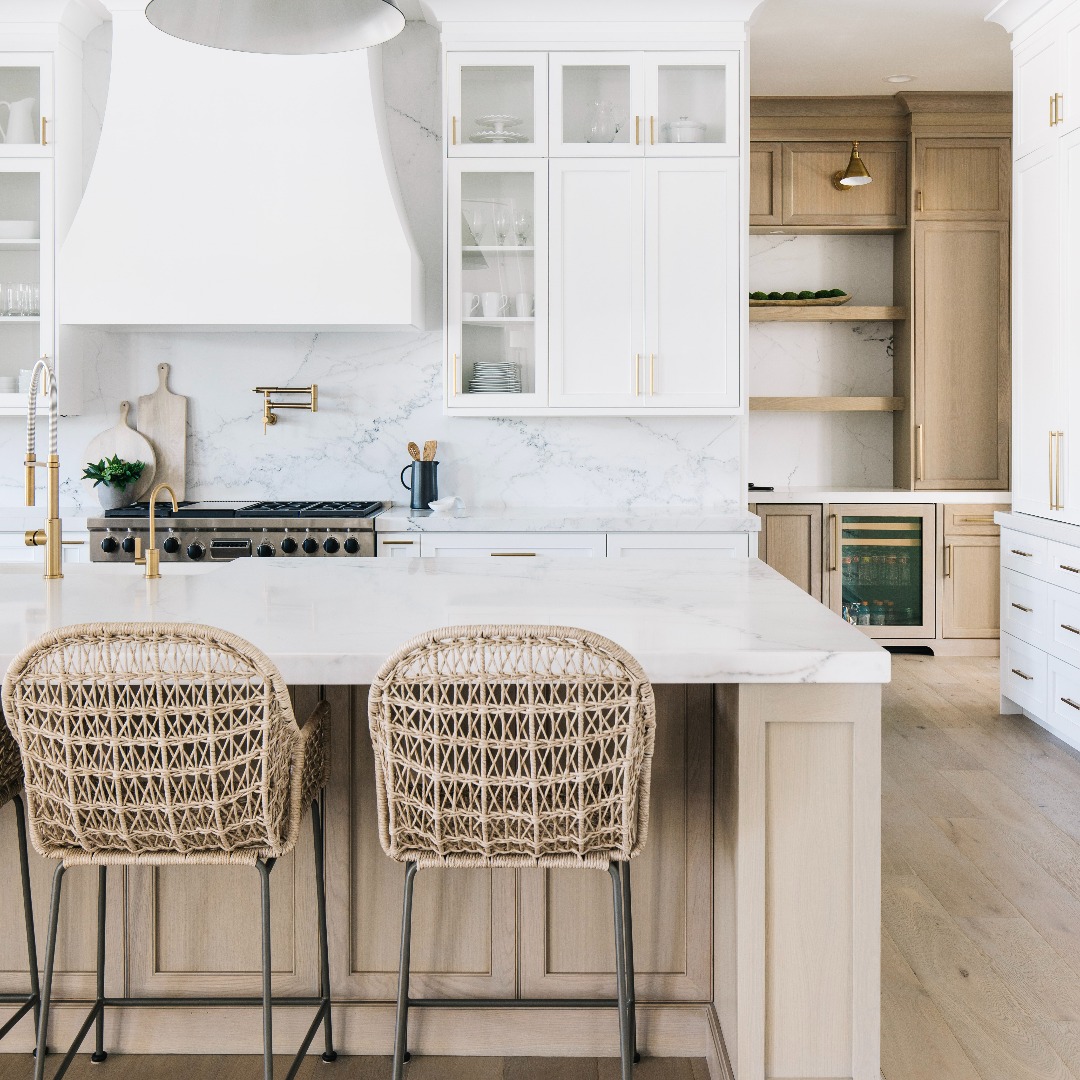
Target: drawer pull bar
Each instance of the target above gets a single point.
(513, 554)
(398, 543)
(980, 519)
(1020, 607)
(1026, 554)
(1071, 629)
(1017, 671)
(1072, 704)
(1071, 569)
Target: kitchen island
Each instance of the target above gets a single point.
(757, 899)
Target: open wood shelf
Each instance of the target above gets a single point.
(827, 404)
(845, 313)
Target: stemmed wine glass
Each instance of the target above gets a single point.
(521, 227)
(502, 222)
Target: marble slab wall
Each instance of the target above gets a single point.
(377, 391)
(849, 450)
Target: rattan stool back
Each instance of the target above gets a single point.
(512, 746)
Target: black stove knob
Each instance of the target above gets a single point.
(265, 551)
(352, 545)
(195, 550)
(288, 545)
(110, 545)
(311, 545)
(171, 545)
(330, 546)
(128, 544)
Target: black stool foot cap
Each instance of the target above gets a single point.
(97, 1058)
(637, 1058)
(407, 1058)
(329, 1056)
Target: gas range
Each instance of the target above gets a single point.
(223, 531)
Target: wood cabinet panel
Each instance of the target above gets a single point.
(962, 179)
(811, 199)
(971, 574)
(790, 542)
(765, 196)
(972, 519)
(566, 915)
(962, 370)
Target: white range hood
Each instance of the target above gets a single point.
(239, 191)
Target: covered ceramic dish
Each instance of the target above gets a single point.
(685, 130)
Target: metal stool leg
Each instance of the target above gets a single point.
(329, 1054)
(28, 909)
(46, 987)
(267, 1005)
(620, 970)
(99, 1054)
(401, 1034)
(631, 992)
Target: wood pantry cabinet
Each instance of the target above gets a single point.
(970, 572)
(791, 543)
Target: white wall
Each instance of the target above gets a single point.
(848, 450)
(377, 391)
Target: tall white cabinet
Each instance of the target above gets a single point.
(612, 279)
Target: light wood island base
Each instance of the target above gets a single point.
(756, 911)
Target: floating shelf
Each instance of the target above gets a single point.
(847, 313)
(827, 404)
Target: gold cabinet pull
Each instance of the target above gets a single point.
(948, 560)
(397, 543)
(976, 519)
(637, 374)
(513, 554)
(1025, 554)
(1020, 607)
(920, 452)
(1050, 467)
(1072, 704)
(1058, 500)
(1028, 678)
(453, 131)
(1059, 113)
(1071, 629)
(652, 130)
(44, 121)
(1071, 569)
(637, 130)
(652, 374)
(918, 201)
(456, 389)
(834, 541)
(1053, 102)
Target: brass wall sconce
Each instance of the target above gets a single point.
(855, 175)
(271, 407)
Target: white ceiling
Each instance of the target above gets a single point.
(841, 47)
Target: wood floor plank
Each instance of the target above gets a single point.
(998, 1036)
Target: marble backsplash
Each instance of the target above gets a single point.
(377, 391)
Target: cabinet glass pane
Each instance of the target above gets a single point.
(692, 103)
(20, 105)
(881, 564)
(498, 324)
(497, 105)
(20, 275)
(596, 104)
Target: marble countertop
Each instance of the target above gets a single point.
(884, 495)
(334, 621)
(567, 519)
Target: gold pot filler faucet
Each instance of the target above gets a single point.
(151, 558)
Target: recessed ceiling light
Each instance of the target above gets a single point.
(899, 78)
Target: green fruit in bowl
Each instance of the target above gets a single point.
(775, 296)
(837, 292)
(790, 296)
(806, 294)
(759, 296)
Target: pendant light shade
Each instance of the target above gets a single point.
(856, 173)
(278, 26)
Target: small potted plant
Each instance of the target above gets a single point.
(113, 480)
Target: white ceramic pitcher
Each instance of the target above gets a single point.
(20, 121)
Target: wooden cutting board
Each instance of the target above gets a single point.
(124, 441)
(162, 418)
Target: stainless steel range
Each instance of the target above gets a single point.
(222, 531)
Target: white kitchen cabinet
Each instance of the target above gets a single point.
(701, 87)
(496, 104)
(403, 545)
(27, 77)
(664, 547)
(1036, 79)
(594, 94)
(513, 545)
(1068, 356)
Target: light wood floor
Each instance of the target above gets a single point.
(980, 885)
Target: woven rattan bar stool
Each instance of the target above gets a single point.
(161, 744)
(11, 785)
(515, 746)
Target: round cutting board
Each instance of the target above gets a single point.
(124, 441)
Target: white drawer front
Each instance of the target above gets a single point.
(513, 545)
(397, 545)
(1023, 675)
(669, 547)
(1063, 704)
(1064, 629)
(1025, 608)
(1064, 565)
(1024, 553)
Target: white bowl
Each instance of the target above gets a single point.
(443, 506)
(11, 229)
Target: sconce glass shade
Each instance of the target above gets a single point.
(295, 27)
(856, 173)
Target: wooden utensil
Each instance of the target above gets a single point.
(414, 451)
(127, 444)
(429, 450)
(162, 418)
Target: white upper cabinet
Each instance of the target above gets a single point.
(692, 101)
(1037, 78)
(26, 104)
(496, 104)
(597, 104)
(1069, 156)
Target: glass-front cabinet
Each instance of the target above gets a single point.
(26, 104)
(881, 568)
(497, 104)
(597, 104)
(497, 284)
(692, 101)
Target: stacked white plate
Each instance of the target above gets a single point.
(489, 377)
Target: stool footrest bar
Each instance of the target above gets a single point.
(513, 1003)
(27, 1003)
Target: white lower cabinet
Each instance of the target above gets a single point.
(1023, 675)
(1063, 700)
(397, 545)
(513, 545)
(658, 546)
(1024, 607)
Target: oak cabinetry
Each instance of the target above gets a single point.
(766, 197)
(791, 543)
(970, 572)
(959, 179)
